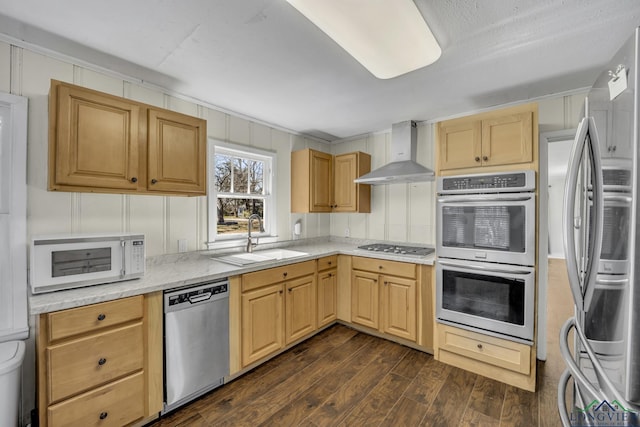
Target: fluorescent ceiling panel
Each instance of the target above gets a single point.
(388, 37)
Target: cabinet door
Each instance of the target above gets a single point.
(507, 139)
(300, 307)
(345, 194)
(327, 297)
(93, 141)
(262, 323)
(364, 299)
(460, 144)
(321, 197)
(177, 150)
(399, 307)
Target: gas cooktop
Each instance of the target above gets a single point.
(397, 249)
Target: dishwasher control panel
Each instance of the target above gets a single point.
(202, 293)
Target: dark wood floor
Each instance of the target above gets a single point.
(341, 377)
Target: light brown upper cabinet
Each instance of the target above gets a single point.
(321, 182)
(103, 143)
(498, 138)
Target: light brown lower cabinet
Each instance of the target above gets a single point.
(327, 290)
(384, 295)
(278, 307)
(101, 364)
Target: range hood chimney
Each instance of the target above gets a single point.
(403, 167)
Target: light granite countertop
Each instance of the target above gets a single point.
(179, 270)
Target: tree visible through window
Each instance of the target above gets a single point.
(241, 181)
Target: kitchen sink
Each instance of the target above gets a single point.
(266, 255)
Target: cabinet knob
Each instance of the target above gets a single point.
(134, 179)
(477, 159)
(289, 290)
(609, 149)
(380, 267)
(153, 181)
(613, 148)
(103, 415)
(386, 283)
(479, 346)
(485, 158)
(284, 274)
(329, 263)
(101, 317)
(102, 361)
(280, 291)
(330, 274)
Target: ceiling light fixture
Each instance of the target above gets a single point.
(388, 37)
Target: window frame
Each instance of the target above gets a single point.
(214, 240)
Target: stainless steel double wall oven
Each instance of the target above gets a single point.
(486, 249)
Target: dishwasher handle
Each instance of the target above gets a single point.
(199, 298)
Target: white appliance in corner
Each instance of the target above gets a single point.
(13, 253)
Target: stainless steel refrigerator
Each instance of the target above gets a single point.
(602, 250)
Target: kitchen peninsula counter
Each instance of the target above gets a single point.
(178, 270)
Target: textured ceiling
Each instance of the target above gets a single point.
(262, 59)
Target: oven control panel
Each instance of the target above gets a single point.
(488, 183)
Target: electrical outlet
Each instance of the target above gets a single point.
(182, 245)
(346, 232)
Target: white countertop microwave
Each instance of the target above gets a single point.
(60, 262)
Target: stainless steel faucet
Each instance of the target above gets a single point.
(250, 244)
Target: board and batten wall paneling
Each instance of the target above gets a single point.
(399, 212)
(163, 219)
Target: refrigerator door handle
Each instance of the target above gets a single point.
(568, 212)
(598, 209)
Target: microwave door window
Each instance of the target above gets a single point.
(80, 261)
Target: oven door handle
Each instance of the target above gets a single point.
(485, 198)
(514, 270)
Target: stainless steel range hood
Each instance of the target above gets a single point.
(403, 166)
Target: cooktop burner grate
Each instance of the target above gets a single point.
(398, 249)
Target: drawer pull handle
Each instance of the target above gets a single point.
(103, 415)
(101, 317)
(102, 361)
(479, 346)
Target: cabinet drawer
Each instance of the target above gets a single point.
(327, 262)
(79, 365)
(275, 275)
(115, 404)
(395, 268)
(66, 323)
(495, 351)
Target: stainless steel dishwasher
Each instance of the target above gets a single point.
(196, 341)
